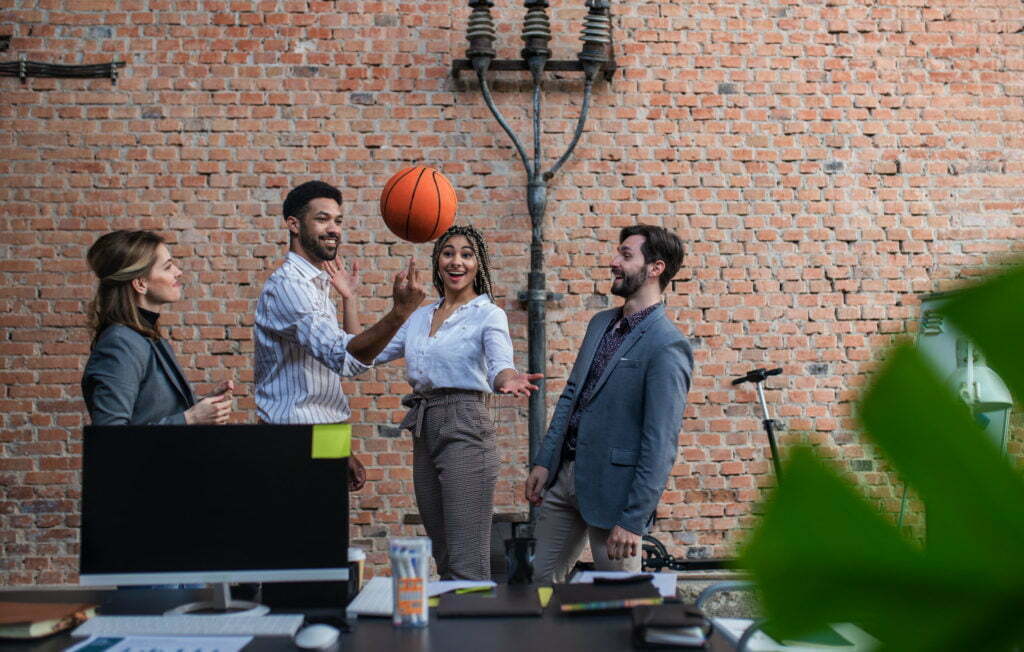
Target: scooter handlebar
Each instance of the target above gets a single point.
(756, 376)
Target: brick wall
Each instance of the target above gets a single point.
(825, 161)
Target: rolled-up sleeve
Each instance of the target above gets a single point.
(292, 313)
(497, 344)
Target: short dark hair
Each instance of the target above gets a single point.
(659, 244)
(300, 196)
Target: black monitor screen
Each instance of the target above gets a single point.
(210, 503)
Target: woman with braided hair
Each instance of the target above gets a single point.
(457, 351)
(132, 376)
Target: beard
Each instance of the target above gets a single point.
(629, 283)
(314, 246)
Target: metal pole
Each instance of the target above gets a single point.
(594, 55)
(769, 428)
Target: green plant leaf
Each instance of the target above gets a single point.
(992, 315)
(823, 554)
(975, 500)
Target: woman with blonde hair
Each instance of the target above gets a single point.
(132, 376)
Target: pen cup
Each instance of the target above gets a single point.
(409, 562)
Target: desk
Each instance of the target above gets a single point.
(550, 632)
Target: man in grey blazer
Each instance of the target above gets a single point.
(613, 436)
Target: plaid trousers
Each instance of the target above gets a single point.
(455, 470)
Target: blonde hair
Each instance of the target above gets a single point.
(117, 259)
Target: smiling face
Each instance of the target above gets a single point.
(162, 285)
(457, 265)
(317, 234)
(629, 270)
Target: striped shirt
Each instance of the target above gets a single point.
(300, 349)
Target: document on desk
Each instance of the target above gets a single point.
(664, 582)
(847, 638)
(375, 597)
(437, 587)
(161, 644)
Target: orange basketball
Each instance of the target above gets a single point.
(418, 204)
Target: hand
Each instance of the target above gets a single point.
(346, 283)
(356, 474)
(518, 384)
(622, 543)
(535, 484)
(408, 294)
(224, 387)
(210, 410)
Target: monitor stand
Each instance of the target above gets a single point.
(222, 604)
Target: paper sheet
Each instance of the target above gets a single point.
(664, 582)
(161, 644)
(733, 628)
(438, 587)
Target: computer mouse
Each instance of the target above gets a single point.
(316, 637)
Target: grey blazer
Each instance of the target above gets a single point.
(629, 430)
(128, 381)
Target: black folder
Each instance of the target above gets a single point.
(503, 600)
(593, 595)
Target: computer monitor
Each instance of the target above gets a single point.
(213, 504)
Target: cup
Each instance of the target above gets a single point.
(409, 565)
(356, 563)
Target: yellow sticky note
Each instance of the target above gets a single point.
(332, 440)
(544, 595)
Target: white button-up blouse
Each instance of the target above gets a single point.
(468, 350)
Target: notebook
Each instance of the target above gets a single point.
(504, 600)
(587, 598)
(35, 620)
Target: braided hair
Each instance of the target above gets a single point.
(482, 282)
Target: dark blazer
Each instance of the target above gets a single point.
(128, 381)
(629, 430)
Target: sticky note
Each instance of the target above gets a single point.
(544, 595)
(332, 440)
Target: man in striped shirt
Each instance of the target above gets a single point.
(301, 351)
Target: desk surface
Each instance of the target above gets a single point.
(551, 631)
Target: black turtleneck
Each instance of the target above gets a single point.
(164, 347)
(150, 316)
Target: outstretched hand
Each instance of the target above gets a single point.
(345, 283)
(518, 384)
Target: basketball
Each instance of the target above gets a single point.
(418, 204)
